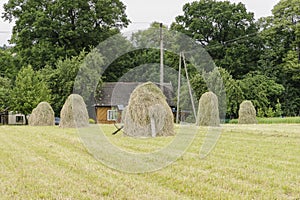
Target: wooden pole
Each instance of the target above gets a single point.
(178, 89)
(161, 58)
(189, 85)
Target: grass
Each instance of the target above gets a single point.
(248, 162)
(273, 120)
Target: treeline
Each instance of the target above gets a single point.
(258, 60)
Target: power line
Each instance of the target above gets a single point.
(226, 42)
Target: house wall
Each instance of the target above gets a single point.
(101, 116)
(14, 119)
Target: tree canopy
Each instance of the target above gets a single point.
(46, 30)
(226, 30)
(29, 90)
(281, 56)
(257, 60)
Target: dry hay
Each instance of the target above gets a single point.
(74, 113)
(247, 113)
(208, 111)
(148, 113)
(42, 115)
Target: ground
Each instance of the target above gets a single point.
(248, 162)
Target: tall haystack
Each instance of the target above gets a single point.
(247, 113)
(42, 115)
(74, 113)
(208, 111)
(148, 113)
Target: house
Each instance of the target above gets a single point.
(12, 118)
(114, 97)
(16, 119)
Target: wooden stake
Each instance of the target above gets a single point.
(178, 90)
(189, 85)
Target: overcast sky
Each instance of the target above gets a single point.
(143, 12)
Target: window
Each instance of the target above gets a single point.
(19, 119)
(112, 115)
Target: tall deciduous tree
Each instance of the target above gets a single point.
(229, 93)
(8, 64)
(79, 74)
(281, 58)
(226, 30)
(61, 79)
(29, 90)
(5, 89)
(144, 43)
(261, 90)
(234, 93)
(46, 30)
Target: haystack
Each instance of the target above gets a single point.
(42, 115)
(74, 113)
(247, 113)
(208, 111)
(148, 113)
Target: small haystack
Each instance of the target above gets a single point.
(148, 113)
(42, 115)
(247, 113)
(208, 111)
(74, 113)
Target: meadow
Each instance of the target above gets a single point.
(249, 162)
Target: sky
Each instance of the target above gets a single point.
(143, 12)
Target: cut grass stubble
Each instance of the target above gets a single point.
(248, 162)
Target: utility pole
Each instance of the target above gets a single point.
(161, 58)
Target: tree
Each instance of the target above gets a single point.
(29, 90)
(142, 50)
(8, 64)
(61, 79)
(84, 70)
(227, 31)
(47, 30)
(227, 89)
(261, 90)
(5, 89)
(234, 93)
(281, 58)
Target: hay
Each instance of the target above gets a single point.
(74, 113)
(148, 113)
(247, 113)
(42, 115)
(208, 111)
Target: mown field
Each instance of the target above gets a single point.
(248, 162)
(273, 120)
